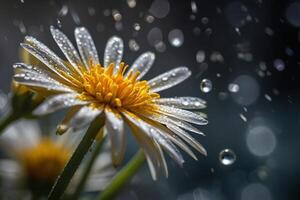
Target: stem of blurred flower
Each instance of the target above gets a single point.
(8, 119)
(87, 170)
(64, 179)
(123, 176)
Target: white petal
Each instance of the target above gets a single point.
(188, 138)
(169, 79)
(183, 115)
(142, 64)
(166, 120)
(58, 102)
(182, 102)
(86, 46)
(151, 150)
(83, 117)
(113, 51)
(115, 128)
(183, 146)
(20, 135)
(67, 48)
(48, 57)
(159, 136)
(31, 77)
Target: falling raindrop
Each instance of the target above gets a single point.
(204, 20)
(160, 8)
(149, 19)
(293, 14)
(279, 64)
(154, 36)
(63, 11)
(176, 37)
(131, 3)
(206, 85)
(59, 23)
(268, 97)
(116, 15)
(160, 46)
(200, 56)
(216, 57)
(137, 26)
(243, 117)
(133, 45)
(232, 87)
(91, 11)
(194, 6)
(227, 157)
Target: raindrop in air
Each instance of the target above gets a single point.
(206, 85)
(59, 23)
(131, 3)
(279, 64)
(133, 45)
(176, 37)
(200, 56)
(160, 8)
(227, 157)
(232, 87)
(293, 14)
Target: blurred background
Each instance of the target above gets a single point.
(245, 63)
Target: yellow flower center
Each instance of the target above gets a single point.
(104, 87)
(45, 161)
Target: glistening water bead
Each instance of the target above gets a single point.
(206, 85)
(227, 157)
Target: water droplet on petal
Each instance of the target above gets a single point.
(227, 157)
(206, 85)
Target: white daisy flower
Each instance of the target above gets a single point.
(34, 162)
(90, 89)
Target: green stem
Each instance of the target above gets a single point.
(75, 160)
(123, 176)
(8, 119)
(87, 170)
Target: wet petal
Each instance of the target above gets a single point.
(58, 102)
(188, 138)
(86, 46)
(142, 64)
(113, 52)
(183, 146)
(169, 79)
(166, 120)
(83, 117)
(158, 136)
(115, 129)
(67, 48)
(48, 57)
(183, 115)
(36, 79)
(182, 102)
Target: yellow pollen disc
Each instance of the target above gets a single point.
(103, 87)
(45, 161)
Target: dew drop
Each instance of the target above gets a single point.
(206, 85)
(227, 157)
(176, 37)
